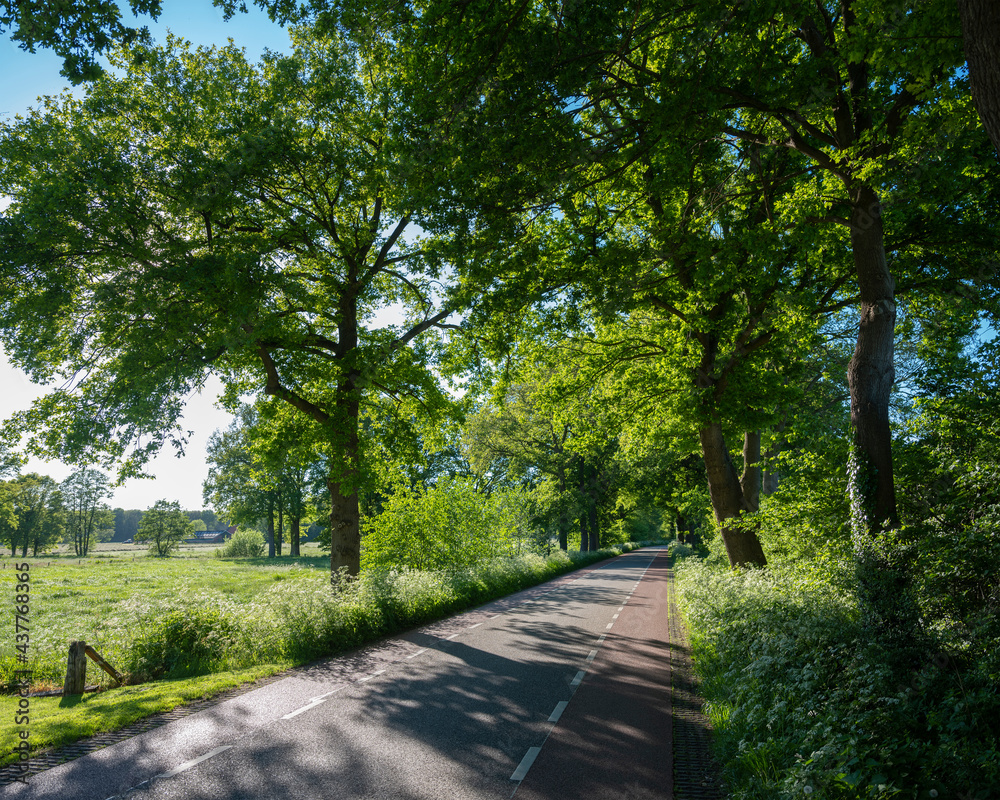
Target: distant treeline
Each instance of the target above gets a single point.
(127, 522)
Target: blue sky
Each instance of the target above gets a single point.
(25, 76)
(28, 75)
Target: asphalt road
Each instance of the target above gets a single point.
(560, 691)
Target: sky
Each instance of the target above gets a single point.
(25, 76)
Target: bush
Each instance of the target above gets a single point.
(185, 641)
(243, 544)
(802, 705)
(677, 549)
(449, 526)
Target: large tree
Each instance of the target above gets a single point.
(84, 493)
(198, 215)
(867, 102)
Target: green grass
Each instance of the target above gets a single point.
(79, 599)
(56, 721)
(188, 627)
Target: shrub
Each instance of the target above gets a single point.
(449, 526)
(243, 544)
(802, 704)
(677, 549)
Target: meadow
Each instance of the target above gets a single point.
(89, 598)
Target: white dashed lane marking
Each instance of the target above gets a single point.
(557, 712)
(526, 762)
(194, 762)
(318, 700)
(591, 656)
(369, 677)
(576, 680)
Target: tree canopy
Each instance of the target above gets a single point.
(199, 215)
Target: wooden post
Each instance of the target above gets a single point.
(76, 669)
(98, 659)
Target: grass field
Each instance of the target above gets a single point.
(75, 598)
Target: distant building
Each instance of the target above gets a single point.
(212, 537)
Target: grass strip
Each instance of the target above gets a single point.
(56, 721)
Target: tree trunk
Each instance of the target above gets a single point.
(882, 561)
(870, 373)
(751, 479)
(281, 526)
(680, 523)
(270, 527)
(345, 512)
(293, 547)
(981, 37)
(584, 533)
(728, 503)
(563, 516)
(595, 526)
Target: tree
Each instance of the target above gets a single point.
(164, 526)
(233, 484)
(39, 514)
(83, 493)
(8, 513)
(980, 34)
(514, 442)
(866, 103)
(254, 239)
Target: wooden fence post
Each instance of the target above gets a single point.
(98, 659)
(76, 669)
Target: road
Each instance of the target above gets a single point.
(560, 691)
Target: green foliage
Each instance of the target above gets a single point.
(243, 544)
(447, 526)
(164, 526)
(35, 515)
(799, 698)
(679, 550)
(84, 493)
(263, 200)
(184, 641)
